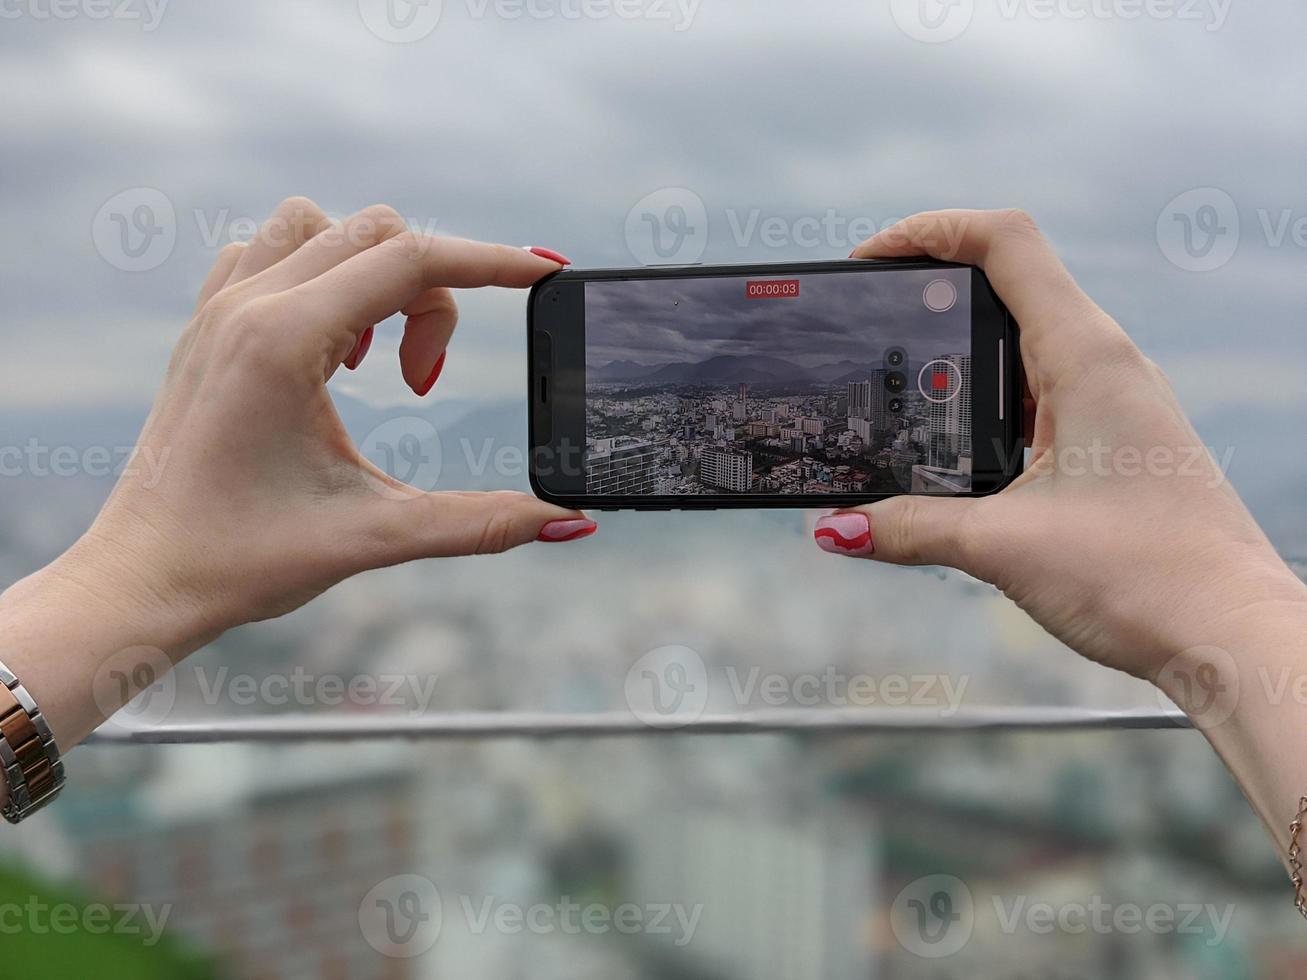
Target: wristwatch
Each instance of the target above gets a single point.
(28, 756)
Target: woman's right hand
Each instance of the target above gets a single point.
(1123, 537)
(251, 497)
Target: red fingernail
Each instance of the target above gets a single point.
(845, 534)
(435, 374)
(550, 254)
(360, 350)
(567, 530)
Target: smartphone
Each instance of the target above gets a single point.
(811, 384)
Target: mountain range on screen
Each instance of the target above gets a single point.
(731, 369)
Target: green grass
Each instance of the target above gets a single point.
(46, 931)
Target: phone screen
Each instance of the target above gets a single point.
(819, 383)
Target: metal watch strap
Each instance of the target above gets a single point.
(28, 756)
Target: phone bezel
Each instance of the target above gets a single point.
(556, 413)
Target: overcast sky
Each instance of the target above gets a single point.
(835, 317)
(789, 124)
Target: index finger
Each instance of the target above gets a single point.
(1055, 315)
(381, 281)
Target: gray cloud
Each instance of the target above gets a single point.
(548, 131)
(835, 317)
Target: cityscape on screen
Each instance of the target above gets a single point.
(828, 383)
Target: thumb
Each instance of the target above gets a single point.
(910, 530)
(447, 523)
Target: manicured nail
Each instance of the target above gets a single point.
(435, 374)
(549, 253)
(556, 531)
(360, 350)
(845, 534)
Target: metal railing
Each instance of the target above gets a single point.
(501, 725)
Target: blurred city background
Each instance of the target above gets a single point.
(1161, 152)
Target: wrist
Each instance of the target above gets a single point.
(1247, 693)
(1243, 612)
(137, 577)
(67, 630)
